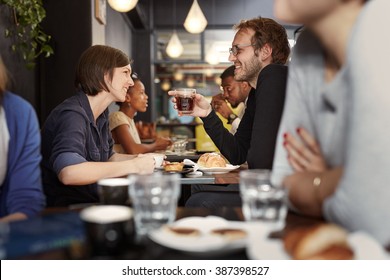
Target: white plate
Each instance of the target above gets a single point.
(168, 152)
(262, 248)
(219, 170)
(205, 244)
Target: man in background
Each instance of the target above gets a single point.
(234, 92)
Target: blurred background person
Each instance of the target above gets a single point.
(77, 145)
(338, 98)
(236, 94)
(21, 194)
(123, 128)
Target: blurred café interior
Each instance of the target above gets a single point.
(143, 33)
(166, 54)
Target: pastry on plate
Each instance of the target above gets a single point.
(230, 233)
(173, 166)
(320, 242)
(211, 160)
(183, 231)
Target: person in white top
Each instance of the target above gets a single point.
(234, 92)
(122, 126)
(337, 103)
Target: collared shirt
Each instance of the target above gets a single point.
(70, 136)
(241, 109)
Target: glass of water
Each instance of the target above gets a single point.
(261, 201)
(154, 198)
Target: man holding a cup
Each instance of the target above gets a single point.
(259, 51)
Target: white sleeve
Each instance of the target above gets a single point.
(235, 125)
(295, 114)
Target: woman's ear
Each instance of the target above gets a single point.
(128, 98)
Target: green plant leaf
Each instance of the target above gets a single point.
(30, 39)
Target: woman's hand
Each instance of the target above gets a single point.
(308, 190)
(143, 164)
(302, 194)
(162, 143)
(304, 154)
(202, 107)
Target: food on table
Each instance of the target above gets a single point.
(319, 242)
(209, 160)
(230, 233)
(173, 166)
(183, 231)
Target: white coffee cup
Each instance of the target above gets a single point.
(159, 160)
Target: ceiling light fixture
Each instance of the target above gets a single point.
(165, 85)
(174, 47)
(195, 21)
(212, 56)
(122, 6)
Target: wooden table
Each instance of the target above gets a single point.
(231, 177)
(151, 250)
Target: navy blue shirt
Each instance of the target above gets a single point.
(70, 136)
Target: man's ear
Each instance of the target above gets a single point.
(266, 52)
(246, 86)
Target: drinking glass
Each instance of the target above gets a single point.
(261, 201)
(185, 100)
(154, 199)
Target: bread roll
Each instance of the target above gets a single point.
(173, 166)
(209, 160)
(323, 241)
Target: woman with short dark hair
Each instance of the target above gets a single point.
(77, 146)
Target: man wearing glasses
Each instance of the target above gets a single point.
(259, 52)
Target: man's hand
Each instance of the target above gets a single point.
(220, 105)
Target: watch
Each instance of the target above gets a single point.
(231, 118)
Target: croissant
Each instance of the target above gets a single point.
(320, 242)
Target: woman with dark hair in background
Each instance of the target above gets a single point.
(123, 128)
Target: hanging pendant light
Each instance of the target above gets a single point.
(195, 21)
(212, 56)
(122, 6)
(174, 47)
(166, 85)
